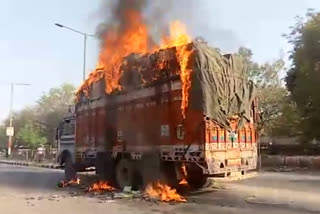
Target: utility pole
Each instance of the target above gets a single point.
(84, 56)
(10, 121)
(85, 35)
(10, 135)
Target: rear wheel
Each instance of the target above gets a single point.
(124, 173)
(195, 177)
(69, 169)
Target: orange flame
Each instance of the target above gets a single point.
(184, 170)
(185, 174)
(183, 57)
(183, 182)
(163, 192)
(119, 43)
(63, 183)
(100, 187)
(179, 38)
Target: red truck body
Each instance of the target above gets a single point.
(150, 118)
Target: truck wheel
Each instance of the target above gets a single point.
(69, 169)
(124, 173)
(195, 177)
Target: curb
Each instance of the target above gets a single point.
(20, 163)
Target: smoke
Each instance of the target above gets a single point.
(200, 16)
(115, 15)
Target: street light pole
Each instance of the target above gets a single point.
(10, 120)
(84, 56)
(84, 46)
(11, 114)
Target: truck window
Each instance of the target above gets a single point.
(68, 127)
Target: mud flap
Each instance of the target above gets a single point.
(105, 166)
(69, 169)
(152, 168)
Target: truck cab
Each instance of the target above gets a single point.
(68, 156)
(65, 139)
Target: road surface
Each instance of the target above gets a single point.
(33, 190)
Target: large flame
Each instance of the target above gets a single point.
(163, 192)
(183, 57)
(118, 43)
(134, 38)
(179, 38)
(101, 186)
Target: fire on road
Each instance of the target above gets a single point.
(34, 190)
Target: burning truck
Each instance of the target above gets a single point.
(166, 113)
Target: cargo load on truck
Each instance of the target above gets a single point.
(184, 112)
(219, 83)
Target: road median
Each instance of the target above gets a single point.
(29, 163)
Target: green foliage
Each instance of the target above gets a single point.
(271, 92)
(30, 135)
(57, 98)
(46, 114)
(3, 137)
(287, 122)
(53, 106)
(303, 77)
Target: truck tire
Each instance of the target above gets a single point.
(124, 173)
(69, 169)
(195, 177)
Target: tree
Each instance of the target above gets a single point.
(57, 98)
(46, 114)
(53, 106)
(30, 135)
(19, 120)
(287, 123)
(271, 92)
(304, 75)
(3, 137)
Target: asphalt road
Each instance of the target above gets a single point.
(33, 190)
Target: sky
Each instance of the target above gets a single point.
(34, 51)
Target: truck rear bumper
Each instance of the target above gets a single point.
(228, 166)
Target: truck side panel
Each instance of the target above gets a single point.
(153, 121)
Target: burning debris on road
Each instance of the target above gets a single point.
(101, 186)
(63, 183)
(155, 191)
(163, 192)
